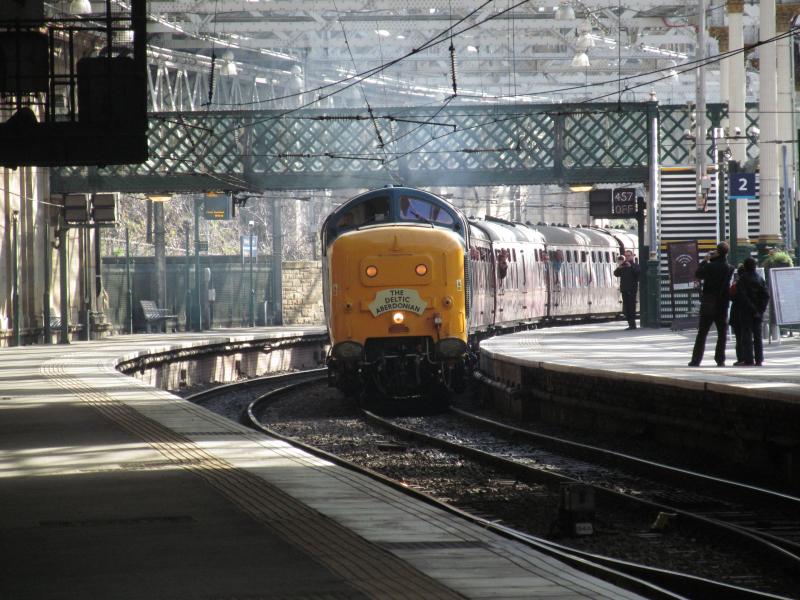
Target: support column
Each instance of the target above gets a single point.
(720, 33)
(769, 204)
(700, 99)
(198, 304)
(650, 289)
(738, 120)
(15, 308)
(277, 263)
(63, 275)
(160, 254)
(786, 121)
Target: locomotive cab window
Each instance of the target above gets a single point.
(373, 210)
(417, 209)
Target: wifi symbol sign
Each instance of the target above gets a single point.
(684, 261)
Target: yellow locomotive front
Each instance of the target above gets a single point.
(395, 292)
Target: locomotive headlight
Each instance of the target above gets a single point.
(371, 271)
(421, 269)
(398, 318)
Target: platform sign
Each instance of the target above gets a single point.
(76, 209)
(784, 284)
(104, 208)
(683, 262)
(600, 204)
(619, 203)
(217, 208)
(623, 203)
(742, 185)
(247, 252)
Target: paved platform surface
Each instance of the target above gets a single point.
(113, 489)
(651, 355)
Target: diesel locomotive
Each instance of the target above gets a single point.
(410, 285)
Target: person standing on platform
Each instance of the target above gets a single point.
(751, 301)
(715, 273)
(628, 272)
(734, 320)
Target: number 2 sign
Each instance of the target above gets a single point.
(742, 185)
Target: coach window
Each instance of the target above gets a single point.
(583, 256)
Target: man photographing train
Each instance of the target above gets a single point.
(628, 272)
(715, 273)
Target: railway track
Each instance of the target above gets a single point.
(663, 581)
(764, 520)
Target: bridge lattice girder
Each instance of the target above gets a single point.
(421, 146)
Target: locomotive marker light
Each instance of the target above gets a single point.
(421, 270)
(371, 271)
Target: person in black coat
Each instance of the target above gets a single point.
(751, 301)
(715, 273)
(628, 272)
(734, 318)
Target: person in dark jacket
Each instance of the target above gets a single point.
(715, 273)
(628, 272)
(751, 301)
(734, 318)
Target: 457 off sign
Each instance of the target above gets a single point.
(619, 203)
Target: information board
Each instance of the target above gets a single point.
(600, 204)
(217, 208)
(619, 203)
(784, 288)
(683, 263)
(246, 250)
(623, 203)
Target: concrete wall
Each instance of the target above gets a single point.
(302, 293)
(744, 433)
(26, 191)
(226, 363)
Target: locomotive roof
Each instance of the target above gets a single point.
(505, 231)
(628, 238)
(597, 237)
(392, 204)
(561, 235)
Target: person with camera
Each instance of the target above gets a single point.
(715, 273)
(628, 272)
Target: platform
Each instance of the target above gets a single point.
(638, 382)
(110, 488)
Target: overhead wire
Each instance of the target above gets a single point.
(685, 67)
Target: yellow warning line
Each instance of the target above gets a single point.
(365, 566)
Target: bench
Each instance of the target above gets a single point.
(154, 315)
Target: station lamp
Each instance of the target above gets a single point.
(565, 12)
(80, 7)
